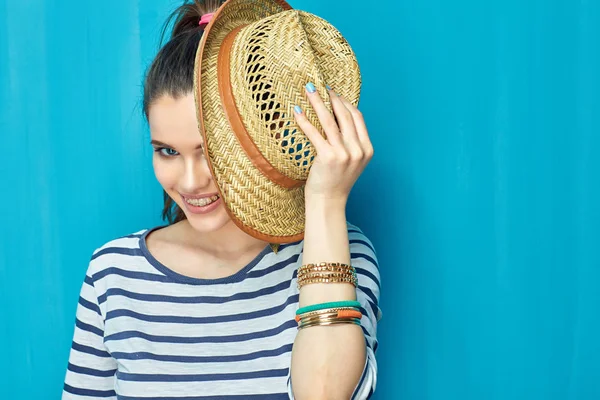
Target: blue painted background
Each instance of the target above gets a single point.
(483, 198)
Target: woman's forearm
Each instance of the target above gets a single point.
(327, 361)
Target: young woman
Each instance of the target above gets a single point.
(207, 307)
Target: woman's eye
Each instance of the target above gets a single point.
(167, 152)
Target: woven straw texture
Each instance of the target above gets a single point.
(272, 58)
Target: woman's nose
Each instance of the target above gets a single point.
(196, 175)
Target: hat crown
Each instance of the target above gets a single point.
(271, 61)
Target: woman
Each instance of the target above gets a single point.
(211, 306)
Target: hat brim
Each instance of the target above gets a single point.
(256, 205)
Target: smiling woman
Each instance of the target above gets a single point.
(204, 307)
(181, 168)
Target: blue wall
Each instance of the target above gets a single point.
(483, 198)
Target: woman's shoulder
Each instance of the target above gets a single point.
(130, 240)
(118, 249)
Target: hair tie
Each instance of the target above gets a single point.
(205, 19)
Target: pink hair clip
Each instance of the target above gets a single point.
(206, 19)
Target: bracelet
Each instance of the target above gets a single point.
(330, 317)
(340, 275)
(327, 280)
(325, 267)
(331, 304)
(326, 322)
(327, 311)
(353, 321)
(311, 275)
(327, 273)
(336, 313)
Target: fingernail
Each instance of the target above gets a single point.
(310, 87)
(328, 87)
(297, 109)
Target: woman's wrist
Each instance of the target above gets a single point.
(326, 240)
(320, 204)
(326, 233)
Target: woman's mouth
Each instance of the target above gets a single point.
(203, 202)
(201, 205)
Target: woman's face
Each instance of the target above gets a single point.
(180, 165)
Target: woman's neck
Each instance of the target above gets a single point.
(227, 241)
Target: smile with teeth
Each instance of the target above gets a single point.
(202, 202)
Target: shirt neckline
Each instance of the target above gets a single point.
(237, 277)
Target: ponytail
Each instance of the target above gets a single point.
(187, 16)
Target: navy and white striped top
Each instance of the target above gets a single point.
(144, 331)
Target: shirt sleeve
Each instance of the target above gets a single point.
(91, 369)
(365, 262)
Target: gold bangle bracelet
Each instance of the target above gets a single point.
(321, 275)
(329, 310)
(321, 280)
(324, 320)
(330, 316)
(328, 272)
(313, 274)
(334, 279)
(353, 322)
(335, 313)
(303, 269)
(347, 321)
(350, 280)
(318, 318)
(316, 274)
(327, 265)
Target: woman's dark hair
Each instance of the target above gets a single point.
(172, 71)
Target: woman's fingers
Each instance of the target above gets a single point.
(347, 139)
(319, 142)
(361, 128)
(332, 131)
(347, 126)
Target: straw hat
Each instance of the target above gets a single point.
(253, 61)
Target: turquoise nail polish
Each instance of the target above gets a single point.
(310, 87)
(328, 87)
(297, 109)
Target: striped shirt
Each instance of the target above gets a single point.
(143, 331)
